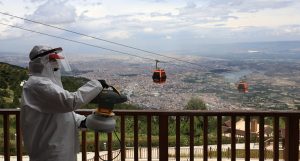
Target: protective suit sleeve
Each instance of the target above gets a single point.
(51, 98)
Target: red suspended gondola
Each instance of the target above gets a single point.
(243, 87)
(159, 75)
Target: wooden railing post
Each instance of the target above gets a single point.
(136, 138)
(109, 146)
(276, 138)
(6, 136)
(123, 147)
(19, 138)
(261, 138)
(247, 138)
(192, 138)
(205, 138)
(163, 137)
(96, 146)
(233, 138)
(83, 145)
(219, 138)
(149, 138)
(291, 138)
(177, 151)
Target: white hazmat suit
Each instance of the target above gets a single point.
(48, 123)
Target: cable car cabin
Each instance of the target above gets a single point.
(243, 87)
(159, 76)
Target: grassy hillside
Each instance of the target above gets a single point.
(10, 89)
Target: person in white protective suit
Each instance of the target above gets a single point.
(48, 122)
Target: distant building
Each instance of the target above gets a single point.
(240, 128)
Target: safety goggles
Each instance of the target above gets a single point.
(55, 50)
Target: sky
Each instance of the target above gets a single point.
(161, 26)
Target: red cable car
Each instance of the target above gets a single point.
(159, 75)
(243, 87)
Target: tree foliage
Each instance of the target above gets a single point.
(10, 89)
(196, 103)
(73, 83)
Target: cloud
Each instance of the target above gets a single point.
(203, 14)
(289, 30)
(98, 4)
(156, 1)
(219, 25)
(117, 35)
(11, 33)
(251, 5)
(190, 18)
(54, 12)
(257, 5)
(168, 37)
(224, 10)
(34, 1)
(190, 5)
(157, 14)
(148, 29)
(170, 25)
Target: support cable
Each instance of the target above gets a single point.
(93, 37)
(92, 45)
(79, 42)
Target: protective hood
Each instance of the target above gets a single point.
(41, 66)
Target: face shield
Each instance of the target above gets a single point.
(58, 60)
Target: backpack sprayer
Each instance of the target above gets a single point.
(102, 118)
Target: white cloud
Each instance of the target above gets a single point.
(54, 12)
(34, 1)
(11, 33)
(117, 35)
(250, 5)
(221, 11)
(287, 30)
(155, 21)
(256, 5)
(168, 37)
(149, 18)
(148, 29)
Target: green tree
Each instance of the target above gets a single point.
(196, 103)
(4, 93)
(3, 84)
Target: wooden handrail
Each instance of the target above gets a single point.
(291, 149)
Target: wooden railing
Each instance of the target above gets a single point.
(291, 134)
